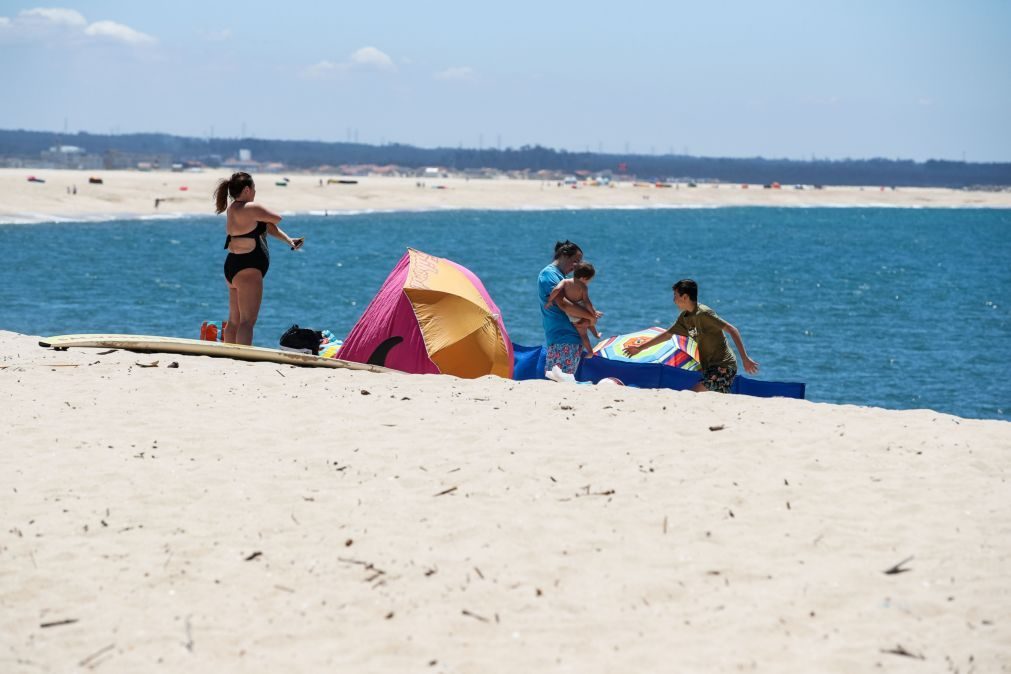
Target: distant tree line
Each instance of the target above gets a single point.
(312, 154)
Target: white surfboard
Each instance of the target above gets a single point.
(200, 347)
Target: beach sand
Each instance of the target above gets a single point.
(133, 194)
(230, 516)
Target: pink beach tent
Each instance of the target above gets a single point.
(432, 316)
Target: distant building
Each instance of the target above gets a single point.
(114, 160)
(249, 165)
(70, 157)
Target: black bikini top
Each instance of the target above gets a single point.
(255, 233)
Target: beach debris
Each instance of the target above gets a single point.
(899, 650)
(280, 373)
(58, 623)
(254, 556)
(587, 492)
(665, 525)
(106, 353)
(369, 566)
(92, 659)
(365, 393)
(173, 364)
(151, 364)
(717, 428)
(898, 568)
(447, 491)
(349, 542)
(475, 616)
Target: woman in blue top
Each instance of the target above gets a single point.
(564, 347)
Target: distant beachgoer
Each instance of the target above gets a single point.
(719, 367)
(246, 225)
(561, 336)
(156, 202)
(576, 290)
(75, 189)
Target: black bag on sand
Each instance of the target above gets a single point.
(305, 340)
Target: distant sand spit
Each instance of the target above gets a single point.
(224, 516)
(127, 194)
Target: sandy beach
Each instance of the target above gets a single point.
(229, 516)
(127, 194)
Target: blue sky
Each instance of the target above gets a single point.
(890, 78)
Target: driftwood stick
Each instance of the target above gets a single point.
(475, 616)
(58, 623)
(898, 567)
(87, 662)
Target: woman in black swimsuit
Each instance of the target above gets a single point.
(247, 224)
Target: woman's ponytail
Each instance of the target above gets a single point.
(221, 196)
(232, 187)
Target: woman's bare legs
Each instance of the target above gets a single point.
(248, 288)
(233, 316)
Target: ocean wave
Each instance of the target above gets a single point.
(49, 218)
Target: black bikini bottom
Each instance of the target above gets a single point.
(236, 262)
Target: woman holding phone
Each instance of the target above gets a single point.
(247, 224)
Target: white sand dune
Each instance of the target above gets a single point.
(230, 516)
(133, 194)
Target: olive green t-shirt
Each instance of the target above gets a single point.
(706, 328)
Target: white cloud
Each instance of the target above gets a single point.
(324, 69)
(69, 17)
(117, 31)
(456, 73)
(372, 57)
(58, 25)
(366, 58)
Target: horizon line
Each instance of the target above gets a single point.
(461, 148)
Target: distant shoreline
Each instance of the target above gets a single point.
(133, 195)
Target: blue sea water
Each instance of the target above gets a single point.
(899, 308)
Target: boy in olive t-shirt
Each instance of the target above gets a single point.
(719, 367)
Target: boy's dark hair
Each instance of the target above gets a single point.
(566, 248)
(686, 286)
(583, 270)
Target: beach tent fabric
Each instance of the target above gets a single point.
(432, 316)
(530, 365)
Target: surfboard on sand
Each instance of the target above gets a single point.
(199, 347)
